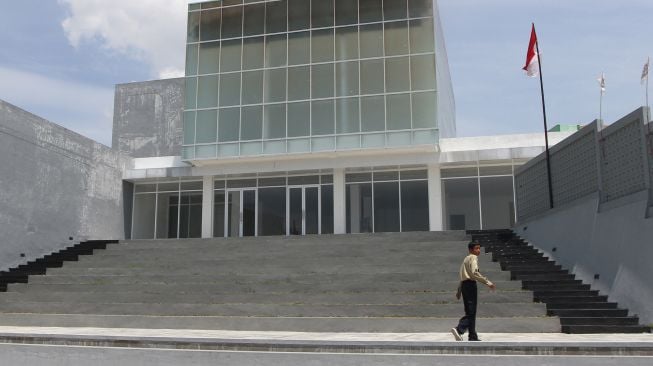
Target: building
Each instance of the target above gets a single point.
(313, 117)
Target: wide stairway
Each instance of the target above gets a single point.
(330, 283)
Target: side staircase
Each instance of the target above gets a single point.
(394, 282)
(580, 309)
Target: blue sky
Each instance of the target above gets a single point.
(60, 59)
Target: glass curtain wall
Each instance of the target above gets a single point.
(387, 201)
(480, 197)
(292, 76)
(167, 210)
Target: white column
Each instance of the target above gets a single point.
(339, 204)
(435, 198)
(207, 207)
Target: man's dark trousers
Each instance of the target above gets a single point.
(470, 297)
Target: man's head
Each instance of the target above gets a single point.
(474, 248)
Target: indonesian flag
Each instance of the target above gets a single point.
(645, 71)
(532, 64)
(601, 81)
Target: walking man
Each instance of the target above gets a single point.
(469, 275)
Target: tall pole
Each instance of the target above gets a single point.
(546, 129)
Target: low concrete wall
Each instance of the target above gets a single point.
(54, 185)
(611, 240)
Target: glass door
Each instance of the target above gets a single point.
(240, 215)
(303, 210)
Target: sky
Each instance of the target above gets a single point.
(61, 59)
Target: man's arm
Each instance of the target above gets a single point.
(477, 276)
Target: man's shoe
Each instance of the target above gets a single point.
(456, 334)
(474, 340)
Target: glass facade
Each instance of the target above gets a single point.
(292, 76)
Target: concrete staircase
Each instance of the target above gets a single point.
(580, 309)
(330, 283)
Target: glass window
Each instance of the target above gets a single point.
(274, 126)
(299, 14)
(299, 48)
(359, 208)
(395, 9)
(322, 46)
(206, 126)
(252, 123)
(358, 177)
(347, 43)
(414, 206)
(420, 8)
(190, 215)
(252, 53)
(254, 19)
(189, 128)
(347, 78)
(371, 44)
(276, 19)
(372, 113)
(397, 74)
(191, 93)
(396, 38)
(191, 59)
(372, 78)
(229, 89)
(193, 34)
(459, 172)
(422, 70)
(327, 209)
(209, 4)
(299, 119)
(371, 11)
(322, 117)
(166, 215)
(346, 12)
(299, 83)
(229, 124)
(275, 85)
(218, 214)
(144, 212)
(398, 111)
(386, 207)
(209, 58)
(207, 91)
(347, 120)
(232, 22)
(496, 170)
(385, 176)
(272, 211)
(421, 36)
(497, 203)
(322, 13)
(210, 25)
(414, 174)
(424, 105)
(252, 87)
(230, 56)
(228, 2)
(275, 50)
(461, 204)
(322, 81)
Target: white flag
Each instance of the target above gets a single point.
(645, 71)
(601, 81)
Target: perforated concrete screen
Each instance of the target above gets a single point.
(623, 161)
(574, 168)
(532, 190)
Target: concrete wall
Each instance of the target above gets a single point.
(54, 185)
(147, 118)
(601, 224)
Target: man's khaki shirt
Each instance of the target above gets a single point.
(469, 270)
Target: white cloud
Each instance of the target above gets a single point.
(83, 108)
(152, 31)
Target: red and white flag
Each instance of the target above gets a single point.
(601, 81)
(645, 71)
(532, 64)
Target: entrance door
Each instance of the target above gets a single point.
(304, 210)
(240, 213)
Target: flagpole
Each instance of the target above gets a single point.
(601, 104)
(546, 129)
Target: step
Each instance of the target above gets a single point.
(561, 287)
(265, 310)
(533, 267)
(559, 294)
(576, 313)
(582, 305)
(570, 299)
(350, 324)
(542, 276)
(626, 320)
(611, 329)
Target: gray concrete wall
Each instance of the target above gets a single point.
(147, 118)
(54, 184)
(613, 242)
